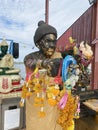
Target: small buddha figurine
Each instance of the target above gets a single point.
(6, 60)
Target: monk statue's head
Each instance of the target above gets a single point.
(45, 38)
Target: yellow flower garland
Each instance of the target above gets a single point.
(36, 84)
(66, 115)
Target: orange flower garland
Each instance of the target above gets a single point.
(27, 88)
(43, 88)
(52, 94)
(66, 115)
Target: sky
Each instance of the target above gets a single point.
(19, 19)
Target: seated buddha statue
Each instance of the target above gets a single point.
(9, 76)
(6, 60)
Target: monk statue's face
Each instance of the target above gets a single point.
(47, 44)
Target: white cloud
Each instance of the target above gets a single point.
(19, 18)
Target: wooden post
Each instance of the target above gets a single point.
(47, 11)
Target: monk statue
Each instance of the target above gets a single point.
(45, 40)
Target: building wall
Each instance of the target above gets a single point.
(82, 29)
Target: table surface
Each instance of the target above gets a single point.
(92, 104)
(9, 95)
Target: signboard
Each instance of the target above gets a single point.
(11, 119)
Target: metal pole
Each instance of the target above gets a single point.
(47, 11)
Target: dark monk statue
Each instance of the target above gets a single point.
(47, 58)
(45, 40)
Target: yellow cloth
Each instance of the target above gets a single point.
(33, 122)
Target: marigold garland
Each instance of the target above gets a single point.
(43, 88)
(52, 101)
(66, 115)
